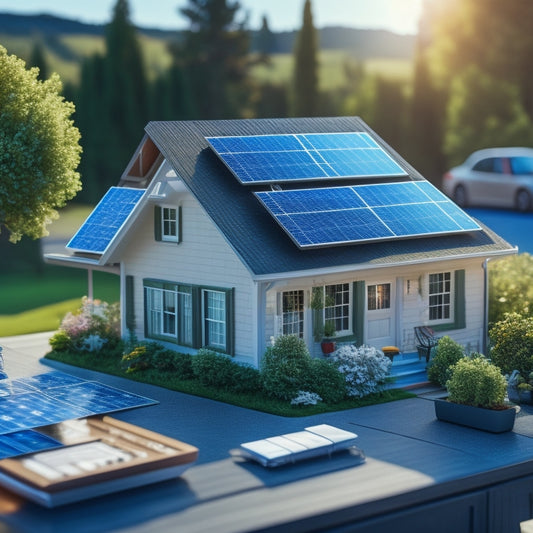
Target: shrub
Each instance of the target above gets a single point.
(365, 369)
(510, 287)
(60, 341)
(214, 369)
(325, 380)
(476, 381)
(306, 398)
(94, 324)
(512, 344)
(246, 379)
(285, 367)
(447, 353)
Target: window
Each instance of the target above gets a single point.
(378, 297)
(337, 305)
(491, 164)
(522, 165)
(167, 223)
(214, 316)
(169, 313)
(189, 315)
(440, 296)
(292, 313)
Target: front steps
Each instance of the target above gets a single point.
(408, 371)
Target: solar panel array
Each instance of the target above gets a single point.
(364, 213)
(27, 403)
(111, 213)
(297, 157)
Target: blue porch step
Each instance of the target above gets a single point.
(408, 371)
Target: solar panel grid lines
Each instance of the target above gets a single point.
(364, 213)
(307, 156)
(106, 219)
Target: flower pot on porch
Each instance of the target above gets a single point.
(525, 397)
(492, 420)
(328, 346)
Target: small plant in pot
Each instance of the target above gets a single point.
(328, 344)
(476, 396)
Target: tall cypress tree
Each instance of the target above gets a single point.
(125, 97)
(37, 59)
(215, 54)
(305, 90)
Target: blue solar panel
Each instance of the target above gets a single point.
(55, 397)
(312, 156)
(105, 221)
(365, 213)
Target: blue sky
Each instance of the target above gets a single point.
(400, 16)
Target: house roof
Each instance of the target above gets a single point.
(260, 242)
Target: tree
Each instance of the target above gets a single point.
(39, 149)
(215, 54)
(38, 60)
(483, 112)
(305, 95)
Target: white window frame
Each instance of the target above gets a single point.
(336, 305)
(169, 223)
(446, 295)
(292, 321)
(214, 325)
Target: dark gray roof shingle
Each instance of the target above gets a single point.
(254, 235)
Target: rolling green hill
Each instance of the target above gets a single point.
(67, 42)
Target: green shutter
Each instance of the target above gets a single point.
(460, 300)
(230, 322)
(358, 311)
(130, 308)
(197, 323)
(158, 230)
(179, 222)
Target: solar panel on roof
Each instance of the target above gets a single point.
(97, 232)
(365, 213)
(310, 156)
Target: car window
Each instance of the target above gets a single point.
(522, 165)
(491, 164)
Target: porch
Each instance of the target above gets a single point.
(408, 371)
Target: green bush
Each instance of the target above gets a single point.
(60, 341)
(447, 353)
(246, 379)
(214, 369)
(478, 382)
(510, 287)
(285, 367)
(325, 380)
(512, 344)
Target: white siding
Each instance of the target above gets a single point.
(202, 258)
(411, 304)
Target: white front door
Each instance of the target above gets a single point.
(380, 314)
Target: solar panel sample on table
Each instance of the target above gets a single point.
(363, 213)
(97, 232)
(311, 156)
(27, 403)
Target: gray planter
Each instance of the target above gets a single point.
(492, 420)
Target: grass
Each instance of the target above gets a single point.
(256, 401)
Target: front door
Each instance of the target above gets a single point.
(380, 315)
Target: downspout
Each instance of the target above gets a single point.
(261, 317)
(485, 306)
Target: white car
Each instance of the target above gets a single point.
(496, 177)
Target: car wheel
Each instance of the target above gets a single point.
(523, 201)
(459, 196)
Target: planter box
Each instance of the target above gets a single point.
(494, 421)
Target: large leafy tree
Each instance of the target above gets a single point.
(39, 149)
(305, 96)
(215, 53)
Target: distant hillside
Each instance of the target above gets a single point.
(363, 43)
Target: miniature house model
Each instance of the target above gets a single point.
(228, 233)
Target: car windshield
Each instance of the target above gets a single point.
(522, 165)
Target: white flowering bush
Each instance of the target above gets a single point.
(306, 398)
(365, 368)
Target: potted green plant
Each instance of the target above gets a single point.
(328, 344)
(476, 396)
